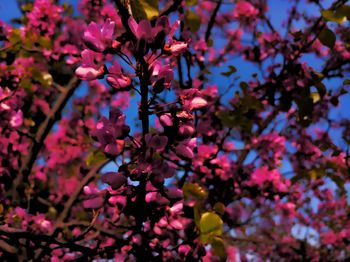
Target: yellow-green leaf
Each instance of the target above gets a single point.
(144, 9)
(344, 10)
(45, 42)
(193, 21)
(219, 208)
(337, 17)
(315, 97)
(194, 190)
(197, 214)
(15, 36)
(27, 7)
(94, 158)
(191, 2)
(219, 248)
(210, 225)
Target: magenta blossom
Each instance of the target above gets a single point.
(115, 180)
(98, 39)
(116, 78)
(245, 9)
(176, 48)
(156, 142)
(143, 30)
(110, 133)
(89, 70)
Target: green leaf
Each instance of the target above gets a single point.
(334, 101)
(45, 42)
(194, 190)
(197, 214)
(27, 7)
(346, 82)
(317, 76)
(244, 86)
(15, 36)
(95, 157)
(343, 91)
(219, 208)
(210, 225)
(250, 102)
(344, 10)
(68, 9)
(226, 118)
(218, 245)
(231, 120)
(337, 17)
(231, 71)
(144, 9)
(327, 37)
(26, 84)
(338, 181)
(305, 109)
(44, 78)
(191, 2)
(321, 88)
(315, 97)
(193, 21)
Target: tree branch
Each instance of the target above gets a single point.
(41, 134)
(212, 21)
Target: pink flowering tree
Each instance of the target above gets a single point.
(177, 130)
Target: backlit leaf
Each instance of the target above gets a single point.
(210, 225)
(94, 158)
(219, 248)
(194, 190)
(337, 17)
(144, 9)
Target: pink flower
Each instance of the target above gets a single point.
(143, 30)
(176, 48)
(157, 198)
(328, 238)
(90, 190)
(166, 120)
(115, 180)
(116, 78)
(198, 102)
(156, 142)
(184, 250)
(98, 39)
(89, 70)
(165, 77)
(44, 224)
(186, 130)
(110, 133)
(184, 151)
(16, 119)
(263, 175)
(174, 193)
(245, 9)
(44, 17)
(93, 203)
(163, 169)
